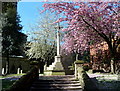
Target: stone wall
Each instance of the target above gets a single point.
(85, 81)
(15, 64)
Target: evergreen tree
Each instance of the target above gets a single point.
(12, 37)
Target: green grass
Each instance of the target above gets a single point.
(11, 75)
(54, 73)
(7, 83)
(105, 83)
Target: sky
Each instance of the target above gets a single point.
(29, 13)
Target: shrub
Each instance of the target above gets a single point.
(79, 62)
(72, 67)
(34, 63)
(86, 67)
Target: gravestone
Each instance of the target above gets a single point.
(21, 71)
(18, 71)
(3, 71)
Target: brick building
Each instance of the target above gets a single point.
(100, 56)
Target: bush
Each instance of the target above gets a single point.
(72, 67)
(79, 62)
(86, 67)
(34, 63)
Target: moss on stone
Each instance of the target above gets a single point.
(34, 63)
(79, 62)
(85, 81)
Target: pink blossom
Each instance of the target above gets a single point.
(87, 22)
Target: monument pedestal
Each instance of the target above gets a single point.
(56, 68)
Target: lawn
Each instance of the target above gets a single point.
(7, 83)
(8, 80)
(11, 75)
(111, 83)
(106, 82)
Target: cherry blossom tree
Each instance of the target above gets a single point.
(89, 23)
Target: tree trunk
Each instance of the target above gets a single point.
(112, 63)
(7, 64)
(76, 56)
(42, 67)
(113, 55)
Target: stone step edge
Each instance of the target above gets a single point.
(69, 88)
(77, 84)
(57, 81)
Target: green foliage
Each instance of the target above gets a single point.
(34, 63)
(41, 51)
(79, 62)
(7, 5)
(86, 67)
(72, 67)
(42, 43)
(13, 38)
(86, 56)
(2, 21)
(7, 83)
(11, 75)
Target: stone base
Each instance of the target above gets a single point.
(56, 68)
(53, 72)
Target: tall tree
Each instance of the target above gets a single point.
(2, 22)
(12, 37)
(43, 39)
(89, 22)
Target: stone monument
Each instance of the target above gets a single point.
(56, 68)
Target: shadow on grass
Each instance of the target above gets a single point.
(8, 80)
(7, 83)
(107, 85)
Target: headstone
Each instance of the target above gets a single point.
(18, 71)
(39, 70)
(3, 71)
(21, 71)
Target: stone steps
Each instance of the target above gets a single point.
(55, 81)
(56, 88)
(51, 83)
